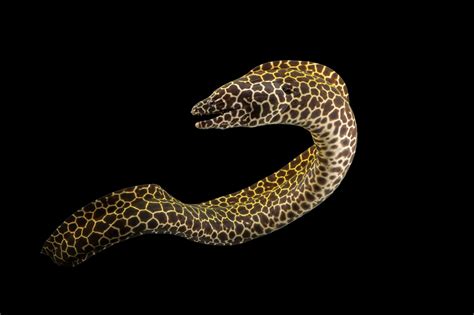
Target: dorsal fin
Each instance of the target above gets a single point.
(327, 73)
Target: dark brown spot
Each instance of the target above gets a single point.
(305, 206)
(309, 196)
(244, 85)
(316, 113)
(153, 207)
(109, 219)
(292, 215)
(94, 238)
(263, 219)
(100, 226)
(167, 207)
(281, 95)
(353, 132)
(90, 207)
(338, 101)
(71, 251)
(207, 227)
(295, 207)
(260, 97)
(88, 228)
(317, 188)
(268, 87)
(304, 88)
(343, 115)
(172, 218)
(161, 217)
(103, 241)
(253, 78)
(293, 113)
(258, 228)
(239, 228)
(144, 216)
(112, 199)
(345, 153)
(323, 93)
(268, 76)
(305, 113)
(327, 107)
(139, 203)
(152, 224)
(215, 225)
(130, 212)
(265, 109)
(111, 233)
(334, 114)
(222, 236)
(99, 213)
(127, 196)
(343, 131)
(81, 221)
(233, 89)
(275, 118)
(272, 99)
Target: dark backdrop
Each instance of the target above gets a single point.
(108, 106)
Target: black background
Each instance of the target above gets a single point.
(108, 106)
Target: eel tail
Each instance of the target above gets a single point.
(116, 217)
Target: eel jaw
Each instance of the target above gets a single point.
(213, 114)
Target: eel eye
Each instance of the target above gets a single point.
(287, 88)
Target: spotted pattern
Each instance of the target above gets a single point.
(300, 93)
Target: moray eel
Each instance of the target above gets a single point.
(300, 93)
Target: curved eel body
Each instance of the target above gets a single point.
(299, 93)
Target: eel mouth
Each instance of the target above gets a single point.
(211, 114)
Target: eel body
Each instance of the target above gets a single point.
(300, 93)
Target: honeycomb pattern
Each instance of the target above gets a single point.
(300, 93)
